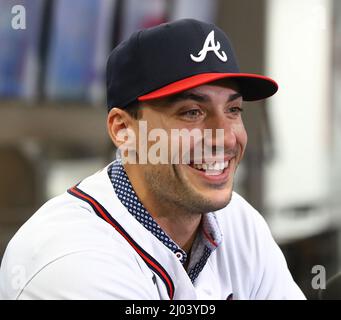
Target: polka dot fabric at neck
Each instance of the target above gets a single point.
(129, 199)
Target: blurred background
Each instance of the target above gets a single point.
(53, 112)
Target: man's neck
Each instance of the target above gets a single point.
(181, 230)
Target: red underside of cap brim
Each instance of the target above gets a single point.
(252, 86)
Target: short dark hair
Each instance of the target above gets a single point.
(133, 109)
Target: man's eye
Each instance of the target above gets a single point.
(235, 110)
(194, 113)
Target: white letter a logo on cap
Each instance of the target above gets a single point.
(209, 45)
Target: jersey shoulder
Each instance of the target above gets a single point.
(64, 229)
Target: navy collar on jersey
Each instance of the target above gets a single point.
(205, 243)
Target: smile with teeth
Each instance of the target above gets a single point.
(214, 168)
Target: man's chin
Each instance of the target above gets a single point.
(220, 204)
(218, 196)
(201, 196)
(214, 204)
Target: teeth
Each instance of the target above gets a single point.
(214, 166)
(219, 166)
(210, 166)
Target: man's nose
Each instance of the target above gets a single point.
(223, 134)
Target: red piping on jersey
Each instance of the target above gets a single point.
(209, 238)
(144, 255)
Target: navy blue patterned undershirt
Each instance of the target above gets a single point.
(205, 243)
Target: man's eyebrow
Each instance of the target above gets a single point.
(234, 96)
(199, 97)
(187, 95)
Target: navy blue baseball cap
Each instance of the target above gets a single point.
(173, 57)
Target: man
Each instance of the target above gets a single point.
(161, 222)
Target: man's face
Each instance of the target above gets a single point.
(197, 188)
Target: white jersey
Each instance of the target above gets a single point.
(84, 244)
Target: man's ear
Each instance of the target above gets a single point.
(118, 124)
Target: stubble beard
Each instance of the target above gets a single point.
(175, 193)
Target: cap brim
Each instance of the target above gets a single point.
(252, 87)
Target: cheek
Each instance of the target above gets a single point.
(241, 136)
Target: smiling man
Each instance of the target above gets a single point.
(168, 229)
(177, 195)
